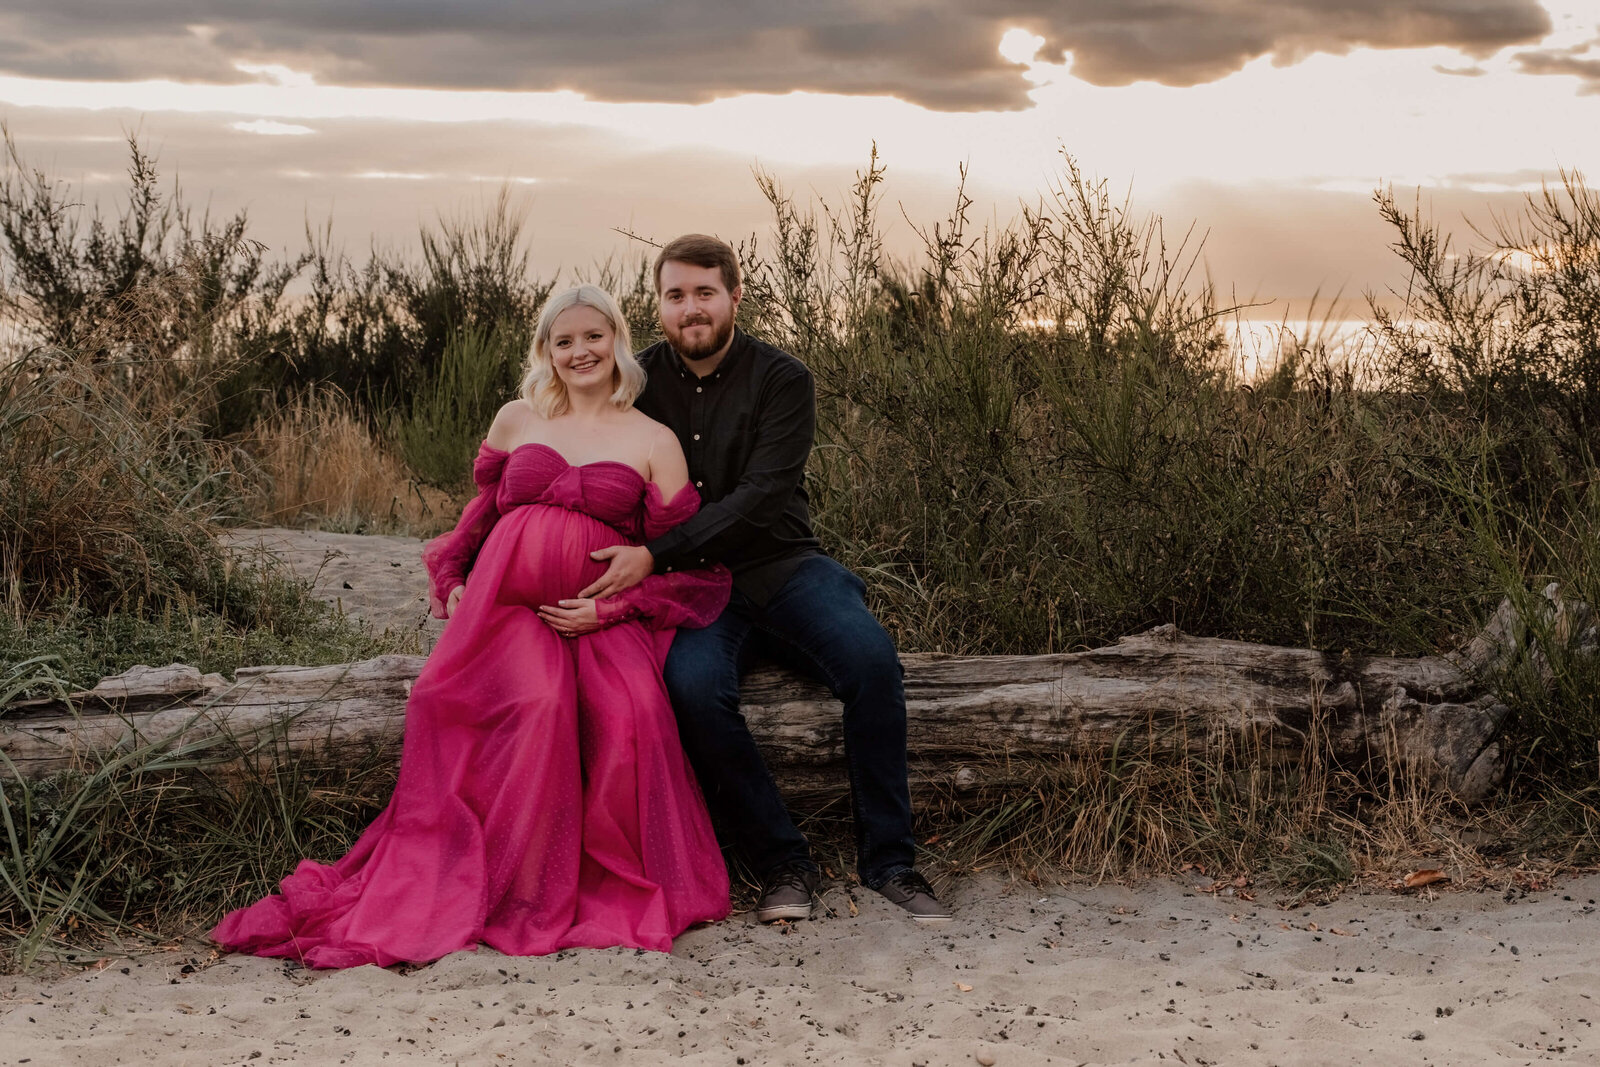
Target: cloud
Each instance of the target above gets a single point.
(943, 54)
(1473, 71)
(1573, 62)
(269, 128)
(1184, 42)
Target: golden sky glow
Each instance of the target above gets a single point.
(1328, 126)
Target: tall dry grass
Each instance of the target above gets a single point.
(316, 461)
(110, 500)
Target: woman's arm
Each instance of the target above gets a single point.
(449, 557)
(669, 469)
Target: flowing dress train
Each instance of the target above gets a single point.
(543, 801)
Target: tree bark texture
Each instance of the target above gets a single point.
(1160, 695)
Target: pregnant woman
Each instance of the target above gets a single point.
(543, 801)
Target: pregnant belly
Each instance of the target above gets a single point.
(550, 559)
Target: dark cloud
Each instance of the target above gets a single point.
(1574, 62)
(939, 53)
(1184, 42)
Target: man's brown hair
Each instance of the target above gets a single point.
(697, 249)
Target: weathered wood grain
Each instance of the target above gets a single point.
(1161, 694)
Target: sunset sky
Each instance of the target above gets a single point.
(1268, 123)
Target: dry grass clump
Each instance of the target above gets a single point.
(110, 499)
(317, 462)
(107, 491)
(155, 844)
(1285, 830)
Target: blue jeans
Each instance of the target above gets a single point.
(818, 623)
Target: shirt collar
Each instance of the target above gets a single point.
(736, 349)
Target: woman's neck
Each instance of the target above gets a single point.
(590, 405)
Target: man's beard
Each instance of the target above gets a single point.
(720, 335)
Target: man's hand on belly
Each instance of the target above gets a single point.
(630, 565)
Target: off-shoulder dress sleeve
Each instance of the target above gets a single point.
(677, 598)
(449, 556)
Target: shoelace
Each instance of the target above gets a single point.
(912, 882)
(793, 877)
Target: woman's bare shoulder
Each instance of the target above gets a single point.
(668, 467)
(645, 426)
(658, 434)
(510, 424)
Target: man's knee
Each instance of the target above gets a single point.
(863, 649)
(870, 666)
(830, 624)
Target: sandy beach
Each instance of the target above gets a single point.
(1150, 973)
(376, 578)
(1163, 971)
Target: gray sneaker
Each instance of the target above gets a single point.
(913, 893)
(786, 893)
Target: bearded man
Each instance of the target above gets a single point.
(745, 413)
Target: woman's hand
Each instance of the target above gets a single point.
(455, 598)
(572, 618)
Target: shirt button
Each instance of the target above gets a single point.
(699, 485)
(699, 389)
(697, 437)
(669, 570)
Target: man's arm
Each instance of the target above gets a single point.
(786, 423)
(628, 565)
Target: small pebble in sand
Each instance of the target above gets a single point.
(1415, 1035)
(984, 1058)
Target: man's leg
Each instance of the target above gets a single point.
(702, 676)
(819, 623)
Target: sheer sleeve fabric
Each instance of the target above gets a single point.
(676, 598)
(449, 557)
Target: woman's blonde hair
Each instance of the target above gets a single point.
(542, 386)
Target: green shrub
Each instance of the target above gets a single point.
(448, 415)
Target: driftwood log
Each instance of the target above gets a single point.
(1160, 695)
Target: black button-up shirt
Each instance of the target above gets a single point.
(746, 429)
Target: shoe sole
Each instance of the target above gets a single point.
(787, 911)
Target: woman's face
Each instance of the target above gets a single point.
(583, 348)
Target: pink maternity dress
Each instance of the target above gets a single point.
(543, 800)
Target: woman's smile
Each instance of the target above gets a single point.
(583, 345)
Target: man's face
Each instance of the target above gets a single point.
(696, 309)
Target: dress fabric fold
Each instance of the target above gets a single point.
(544, 801)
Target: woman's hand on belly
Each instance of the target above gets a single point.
(571, 618)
